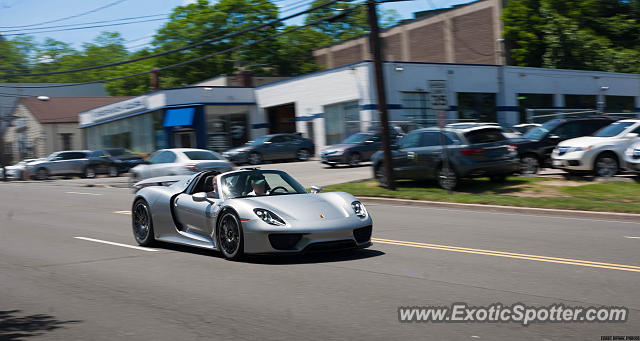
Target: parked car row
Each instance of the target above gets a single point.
(272, 147)
(86, 163)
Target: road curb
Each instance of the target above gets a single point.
(509, 209)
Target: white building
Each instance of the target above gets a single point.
(330, 105)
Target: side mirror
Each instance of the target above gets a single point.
(199, 197)
(631, 135)
(316, 189)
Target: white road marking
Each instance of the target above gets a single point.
(122, 212)
(632, 237)
(116, 244)
(83, 193)
(542, 215)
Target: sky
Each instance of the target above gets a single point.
(138, 35)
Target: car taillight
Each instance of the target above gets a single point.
(472, 151)
(192, 167)
(512, 147)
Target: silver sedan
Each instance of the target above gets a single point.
(180, 161)
(247, 211)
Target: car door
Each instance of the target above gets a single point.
(276, 149)
(196, 216)
(160, 164)
(370, 146)
(405, 158)
(76, 163)
(56, 165)
(428, 155)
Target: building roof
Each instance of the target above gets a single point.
(65, 109)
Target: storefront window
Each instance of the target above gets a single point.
(341, 120)
(477, 106)
(226, 127)
(580, 101)
(417, 108)
(135, 133)
(533, 101)
(619, 104)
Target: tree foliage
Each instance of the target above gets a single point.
(574, 34)
(289, 54)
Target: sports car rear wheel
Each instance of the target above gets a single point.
(230, 237)
(142, 224)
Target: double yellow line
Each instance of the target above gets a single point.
(510, 255)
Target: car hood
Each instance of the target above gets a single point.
(340, 147)
(584, 141)
(520, 140)
(128, 157)
(304, 207)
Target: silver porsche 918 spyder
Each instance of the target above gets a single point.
(247, 211)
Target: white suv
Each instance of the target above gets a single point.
(602, 153)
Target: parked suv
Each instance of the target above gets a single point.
(535, 147)
(73, 162)
(473, 152)
(602, 154)
(272, 147)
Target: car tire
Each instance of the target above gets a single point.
(498, 178)
(255, 158)
(447, 178)
(354, 159)
(42, 174)
(302, 154)
(113, 171)
(378, 173)
(530, 164)
(230, 237)
(89, 172)
(606, 165)
(142, 223)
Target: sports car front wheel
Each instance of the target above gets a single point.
(142, 224)
(230, 237)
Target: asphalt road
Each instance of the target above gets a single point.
(55, 286)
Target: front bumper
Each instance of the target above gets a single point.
(578, 161)
(333, 235)
(632, 163)
(333, 159)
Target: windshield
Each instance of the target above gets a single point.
(202, 155)
(357, 138)
(539, 132)
(260, 140)
(259, 183)
(613, 129)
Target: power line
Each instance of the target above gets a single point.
(85, 27)
(229, 50)
(69, 17)
(188, 47)
(86, 23)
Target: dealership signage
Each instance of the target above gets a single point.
(120, 108)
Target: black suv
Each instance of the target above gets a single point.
(535, 147)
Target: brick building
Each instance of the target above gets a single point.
(465, 34)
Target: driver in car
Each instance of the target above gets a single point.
(212, 183)
(258, 186)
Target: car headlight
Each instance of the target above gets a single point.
(268, 217)
(358, 208)
(582, 149)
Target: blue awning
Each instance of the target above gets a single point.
(182, 117)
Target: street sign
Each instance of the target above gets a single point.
(438, 95)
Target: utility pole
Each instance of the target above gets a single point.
(374, 37)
